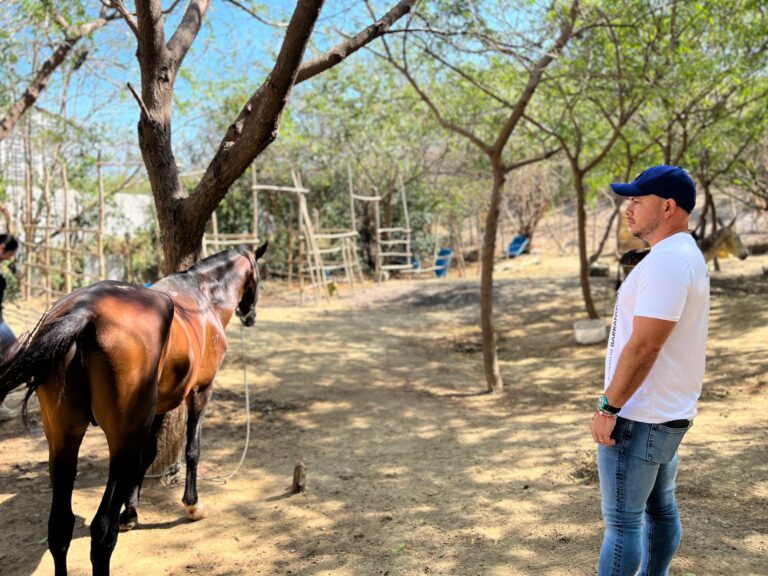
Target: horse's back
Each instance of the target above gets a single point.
(123, 316)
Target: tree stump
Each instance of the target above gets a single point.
(299, 478)
(170, 444)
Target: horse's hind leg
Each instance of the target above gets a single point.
(196, 403)
(130, 517)
(122, 404)
(124, 470)
(65, 425)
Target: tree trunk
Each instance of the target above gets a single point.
(701, 228)
(182, 244)
(457, 243)
(183, 216)
(181, 240)
(170, 443)
(490, 352)
(606, 233)
(583, 259)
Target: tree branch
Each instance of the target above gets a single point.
(150, 34)
(143, 106)
(507, 168)
(476, 83)
(533, 80)
(338, 53)
(187, 31)
(256, 124)
(127, 16)
(450, 126)
(44, 73)
(256, 16)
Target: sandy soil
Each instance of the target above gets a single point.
(411, 468)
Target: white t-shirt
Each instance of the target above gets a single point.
(670, 283)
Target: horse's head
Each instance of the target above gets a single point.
(732, 242)
(246, 308)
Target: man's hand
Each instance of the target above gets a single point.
(602, 427)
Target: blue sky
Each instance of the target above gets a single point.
(233, 52)
(232, 48)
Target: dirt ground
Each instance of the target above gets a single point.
(411, 468)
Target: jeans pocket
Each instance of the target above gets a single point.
(663, 443)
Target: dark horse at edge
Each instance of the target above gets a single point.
(121, 356)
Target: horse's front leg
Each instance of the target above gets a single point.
(129, 518)
(196, 403)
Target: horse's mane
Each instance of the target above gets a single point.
(211, 271)
(708, 241)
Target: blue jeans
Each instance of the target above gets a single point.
(637, 486)
(6, 337)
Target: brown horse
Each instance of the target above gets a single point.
(724, 239)
(121, 356)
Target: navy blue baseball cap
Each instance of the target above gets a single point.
(664, 181)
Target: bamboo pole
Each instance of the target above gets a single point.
(255, 203)
(100, 233)
(316, 267)
(289, 254)
(306, 230)
(67, 247)
(347, 266)
(47, 237)
(377, 259)
(215, 231)
(351, 197)
(356, 260)
(28, 232)
(404, 200)
(129, 250)
(300, 270)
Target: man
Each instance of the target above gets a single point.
(654, 370)
(8, 247)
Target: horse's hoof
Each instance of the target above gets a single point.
(196, 512)
(128, 520)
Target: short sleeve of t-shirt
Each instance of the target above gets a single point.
(662, 287)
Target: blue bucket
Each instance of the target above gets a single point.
(443, 262)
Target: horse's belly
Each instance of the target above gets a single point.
(187, 367)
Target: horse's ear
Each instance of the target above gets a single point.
(261, 249)
(731, 223)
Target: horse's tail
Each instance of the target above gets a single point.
(42, 352)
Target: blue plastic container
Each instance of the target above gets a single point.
(443, 262)
(517, 246)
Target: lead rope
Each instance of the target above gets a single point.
(176, 466)
(223, 479)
